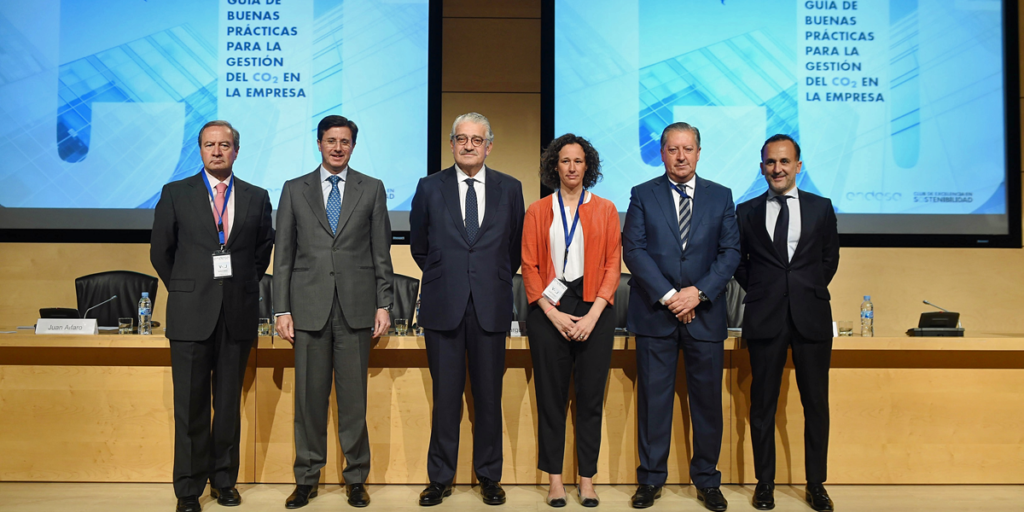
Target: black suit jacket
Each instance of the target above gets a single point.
(181, 248)
(772, 284)
(452, 267)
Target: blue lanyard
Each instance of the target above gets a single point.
(565, 226)
(224, 209)
(682, 191)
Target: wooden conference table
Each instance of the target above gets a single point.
(904, 410)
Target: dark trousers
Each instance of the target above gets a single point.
(203, 451)
(555, 361)
(448, 355)
(812, 359)
(339, 354)
(656, 361)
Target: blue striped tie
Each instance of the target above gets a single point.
(684, 215)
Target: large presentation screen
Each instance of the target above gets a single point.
(900, 106)
(101, 102)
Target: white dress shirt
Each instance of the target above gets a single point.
(231, 201)
(326, 185)
(481, 195)
(772, 216)
(574, 266)
(689, 188)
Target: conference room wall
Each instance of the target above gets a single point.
(492, 65)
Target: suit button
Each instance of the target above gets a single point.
(220, 282)
(471, 250)
(785, 294)
(332, 273)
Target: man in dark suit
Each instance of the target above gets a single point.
(332, 294)
(789, 251)
(211, 244)
(681, 244)
(466, 233)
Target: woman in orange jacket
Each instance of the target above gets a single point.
(572, 252)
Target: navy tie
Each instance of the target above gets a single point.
(472, 216)
(781, 237)
(334, 203)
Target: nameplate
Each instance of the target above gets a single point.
(517, 329)
(67, 326)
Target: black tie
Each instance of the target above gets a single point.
(472, 215)
(781, 238)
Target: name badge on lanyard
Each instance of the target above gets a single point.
(557, 288)
(222, 257)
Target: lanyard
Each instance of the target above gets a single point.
(566, 232)
(224, 209)
(682, 191)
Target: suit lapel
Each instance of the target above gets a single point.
(667, 201)
(314, 195)
(240, 190)
(353, 190)
(450, 191)
(699, 198)
(758, 220)
(492, 188)
(806, 222)
(200, 196)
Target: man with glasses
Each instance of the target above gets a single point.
(466, 232)
(332, 294)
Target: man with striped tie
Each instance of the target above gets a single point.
(681, 243)
(332, 294)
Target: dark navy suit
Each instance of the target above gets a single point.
(653, 252)
(465, 310)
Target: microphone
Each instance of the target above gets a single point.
(86, 315)
(936, 306)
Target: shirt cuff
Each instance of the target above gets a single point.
(280, 314)
(667, 296)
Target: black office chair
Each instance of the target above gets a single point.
(520, 304)
(267, 297)
(407, 290)
(128, 286)
(622, 302)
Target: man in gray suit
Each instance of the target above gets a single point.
(332, 292)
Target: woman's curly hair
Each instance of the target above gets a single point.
(549, 161)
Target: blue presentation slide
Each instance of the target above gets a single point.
(101, 102)
(898, 105)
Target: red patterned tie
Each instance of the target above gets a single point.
(218, 204)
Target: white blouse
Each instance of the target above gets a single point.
(574, 266)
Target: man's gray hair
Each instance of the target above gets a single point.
(680, 127)
(225, 124)
(475, 118)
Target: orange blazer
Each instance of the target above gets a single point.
(602, 259)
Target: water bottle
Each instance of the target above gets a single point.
(416, 325)
(145, 314)
(867, 317)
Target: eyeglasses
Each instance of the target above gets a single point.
(476, 140)
(345, 143)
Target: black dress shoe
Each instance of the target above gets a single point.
(492, 492)
(556, 502)
(189, 504)
(818, 498)
(712, 498)
(587, 502)
(764, 497)
(357, 495)
(645, 496)
(434, 494)
(300, 496)
(227, 496)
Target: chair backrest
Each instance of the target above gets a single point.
(520, 304)
(128, 286)
(407, 290)
(622, 301)
(267, 297)
(734, 303)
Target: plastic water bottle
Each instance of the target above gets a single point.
(145, 314)
(867, 317)
(416, 324)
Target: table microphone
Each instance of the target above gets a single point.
(86, 315)
(936, 306)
